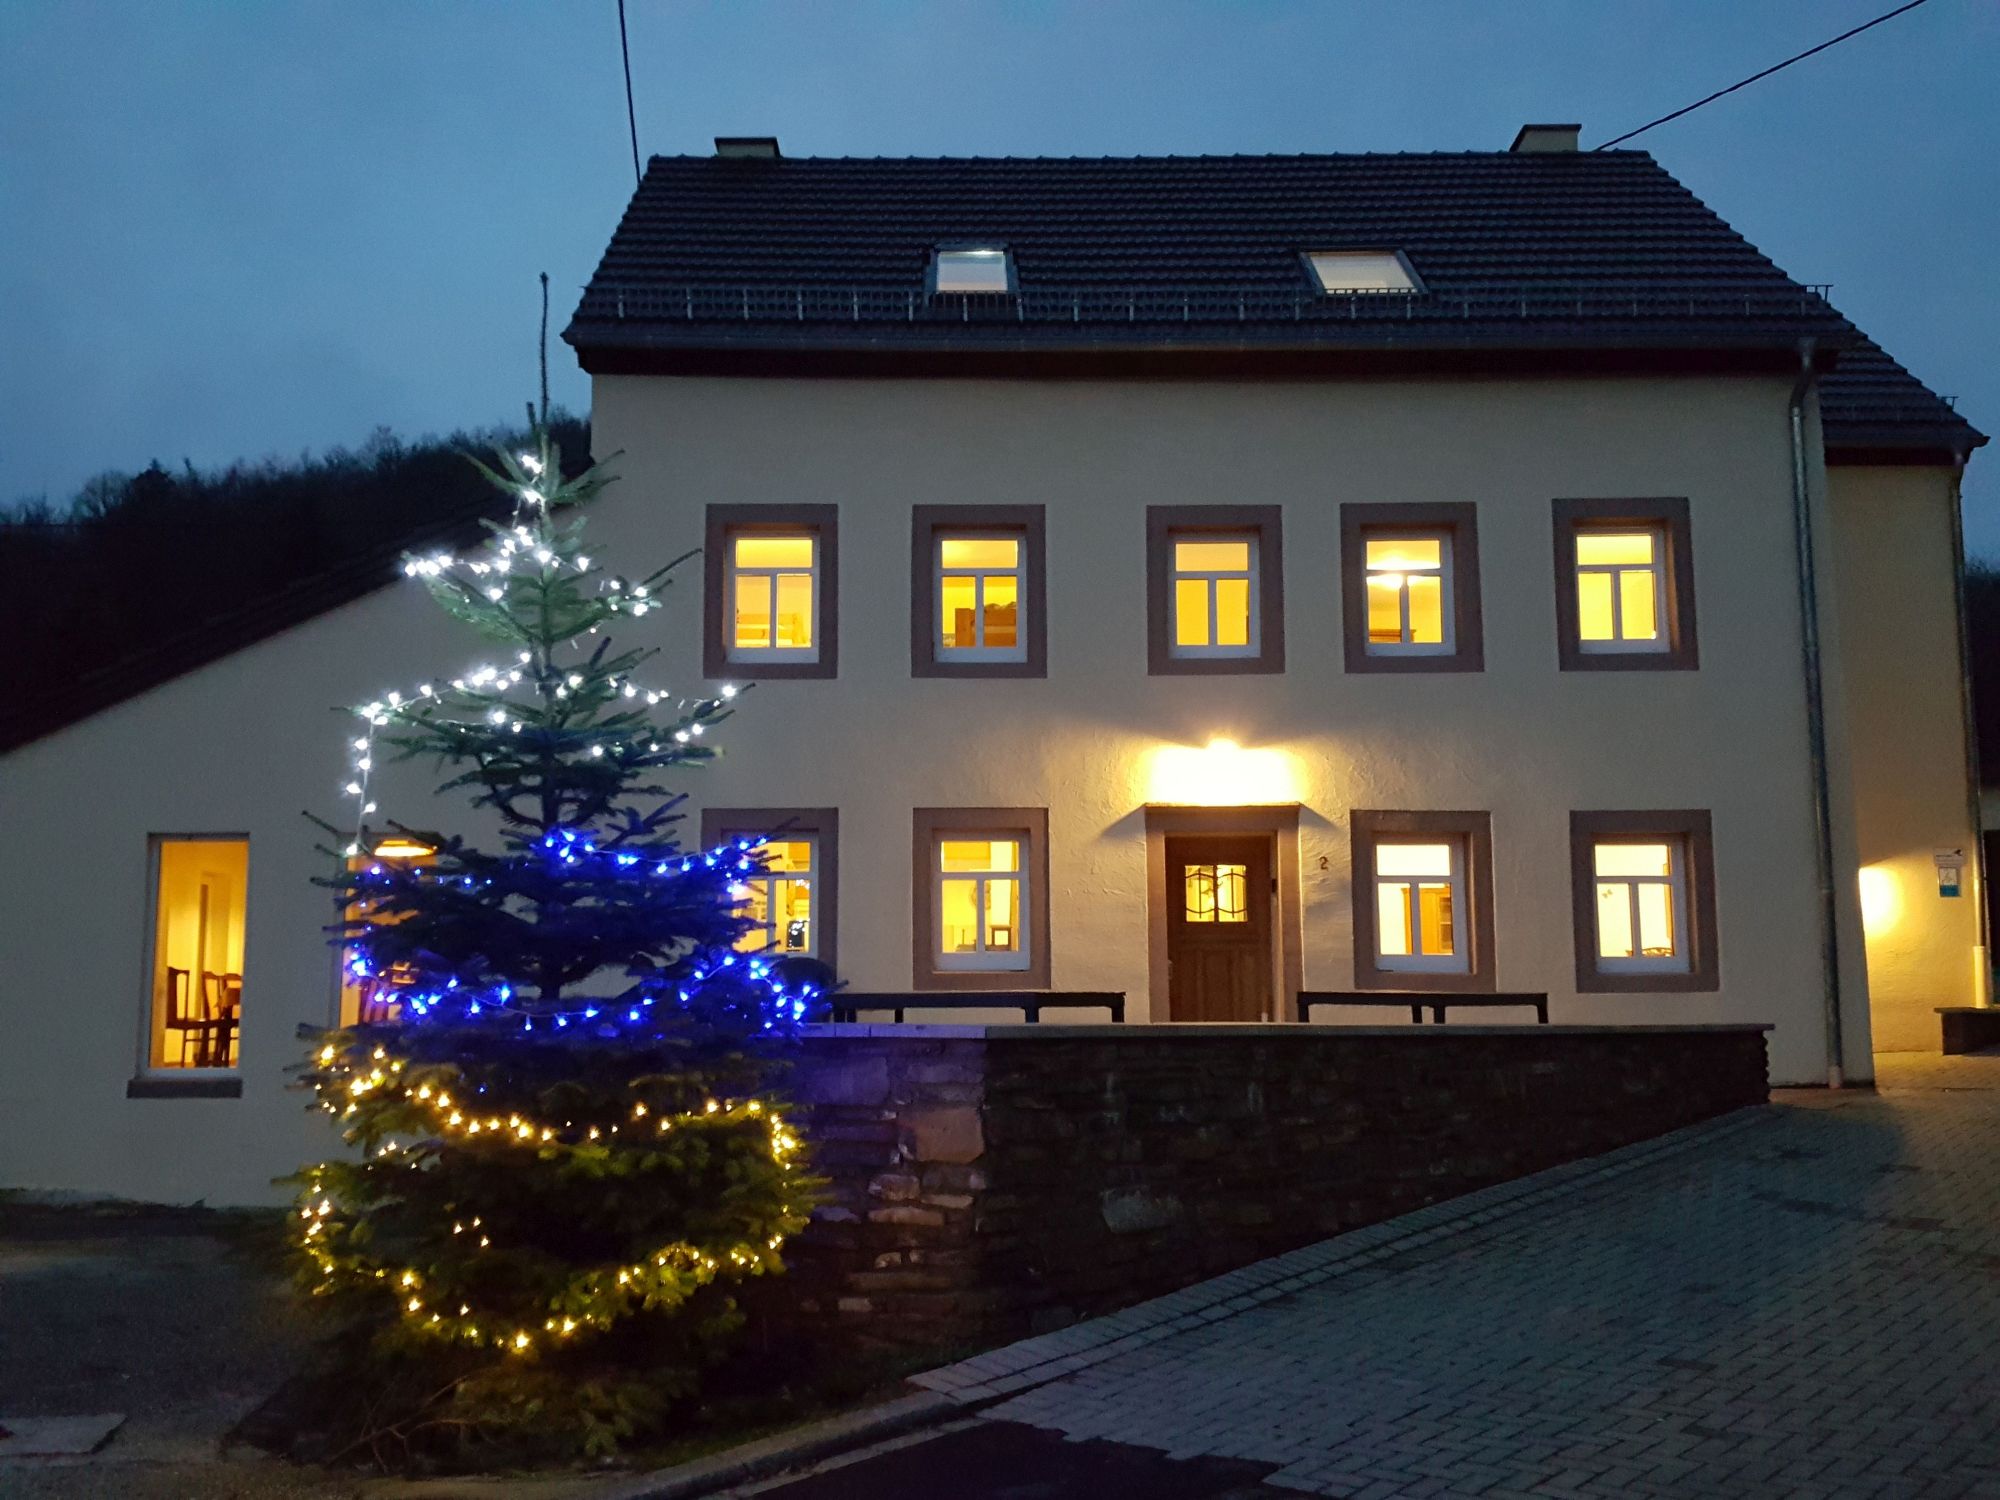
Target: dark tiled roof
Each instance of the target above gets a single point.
(1871, 403)
(1548, 251)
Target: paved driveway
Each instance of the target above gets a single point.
(1798, 1302)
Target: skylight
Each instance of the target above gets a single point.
(1362, 271)
(972, 270)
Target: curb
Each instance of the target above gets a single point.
(790, 1450)
(1007, 1371)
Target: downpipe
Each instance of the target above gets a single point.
(1809, 652)
(1982, 970)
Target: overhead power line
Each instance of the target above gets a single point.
(1774, 68)
(631, 116)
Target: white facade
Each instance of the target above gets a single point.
(245, 744)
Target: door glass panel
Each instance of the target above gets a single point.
(1216, 893)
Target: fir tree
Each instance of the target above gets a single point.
(569, 1144)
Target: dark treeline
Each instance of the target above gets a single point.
(141, 564)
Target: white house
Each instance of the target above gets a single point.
(1206, 579)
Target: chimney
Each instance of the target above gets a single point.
(765, 147)
(1534, 138)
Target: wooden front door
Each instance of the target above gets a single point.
(1218, 898)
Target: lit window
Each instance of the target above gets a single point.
(1409, 595)
(1214, 596)
(1217, 893)
(374, 997)
(196, 981)
(972, 272)
(779, 900)
(980, 582)
(773, 596)
(1641, 906)
(981, 911)
(1620, 590)
(1361, 271)
(1418, 897)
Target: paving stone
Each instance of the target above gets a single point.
(1805, 1303)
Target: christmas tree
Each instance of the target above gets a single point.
(560, 1095)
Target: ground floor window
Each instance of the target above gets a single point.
(1644, 896)
(790, 900)
(981, 886)
(200, 886)
(1423, 900)
(370, 995)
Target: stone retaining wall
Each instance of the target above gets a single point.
(993, 1181)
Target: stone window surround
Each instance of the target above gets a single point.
(928, 825)
(927, 524)
(1460, 520)
(1166, 523)
(1367, 828)
(1670, 516)
(822, 824)
(1693, 829)
(727, 521)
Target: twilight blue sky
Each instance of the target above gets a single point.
(235, 228)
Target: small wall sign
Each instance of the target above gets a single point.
(1950, 869)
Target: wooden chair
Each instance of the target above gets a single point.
(195, 1029)
(222, 1007)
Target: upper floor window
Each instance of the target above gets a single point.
(789, 899)
(773, 594)
(1644, 893)
(1410, 588)
(1215, 594)
(771, 589)
(1408, 583)
(1625, 584)
(1423, 907)
(1362, 271)
(200, 886)
(982, 906)
(977, 583)
(1216, 590)
(972, 270)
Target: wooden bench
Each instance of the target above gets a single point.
(1420, 1001)
(847, 1005)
